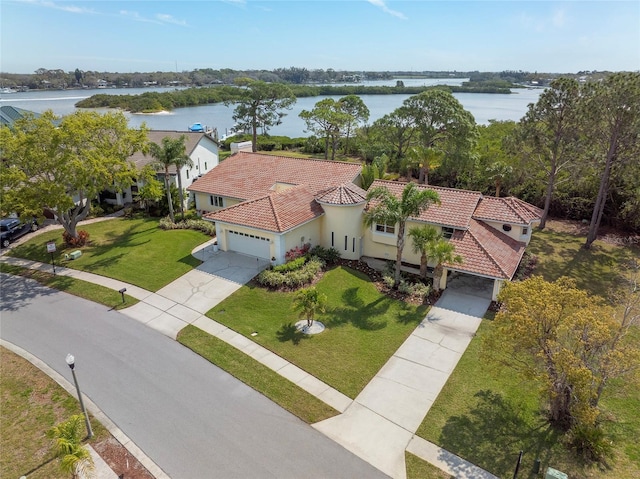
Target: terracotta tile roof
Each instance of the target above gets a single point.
(155, 136)
(346, 194)
(487, 251)
(455, 209)
(277, 212)
(248, 175)
(507, 210)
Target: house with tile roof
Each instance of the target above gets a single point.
(266, 205)
(199, 146)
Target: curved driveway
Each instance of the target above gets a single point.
(193, 419)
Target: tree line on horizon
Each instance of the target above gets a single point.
(44, 78)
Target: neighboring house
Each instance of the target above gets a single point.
(265, 205)
(200, 147)
(10, 114)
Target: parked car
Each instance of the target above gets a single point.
(12, 229)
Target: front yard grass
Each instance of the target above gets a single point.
(363, 327)
(31, 404)
(487, 415)
(135, 251)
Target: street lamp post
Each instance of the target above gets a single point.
(71, 361)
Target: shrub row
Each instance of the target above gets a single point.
(291, 265)
(200, 225)
(291, 279)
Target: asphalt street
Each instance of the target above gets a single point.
(193, 419)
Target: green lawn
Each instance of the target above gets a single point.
(135, 251)
(363, 327)
(77, 287)
(487, 415)
(420, 469)
(31, 404)
(281, 391)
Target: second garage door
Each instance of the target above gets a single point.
(252, 245)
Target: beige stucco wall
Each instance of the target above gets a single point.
(309, 231)
(383, 245)
(515, 233)
(343, 221)
(203, 202)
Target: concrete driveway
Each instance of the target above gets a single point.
(381, 421)
(188, 298)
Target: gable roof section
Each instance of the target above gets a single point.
(277, 212)
(346, 194)
(455, 209)
(487, 251)
(248, 175)
(192, 139)
(507, 210)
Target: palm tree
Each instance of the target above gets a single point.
(75, 458)
(180, 163)
(308, 302)
(172, 150)
(441, 251)
(424, 159)
(386, 208)
(422, 237)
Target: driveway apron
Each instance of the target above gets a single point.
(383, 418)
(189, 297)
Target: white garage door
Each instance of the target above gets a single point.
(252, 245)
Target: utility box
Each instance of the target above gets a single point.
(555, 474)
(75, 254)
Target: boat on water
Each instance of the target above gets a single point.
(197, 127)
(8, 90)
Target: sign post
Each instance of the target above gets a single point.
(51, 248)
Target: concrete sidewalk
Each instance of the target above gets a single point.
(379, 425)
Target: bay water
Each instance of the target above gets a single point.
(483, 106)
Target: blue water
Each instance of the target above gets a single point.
(483, 106)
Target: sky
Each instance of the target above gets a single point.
(354, 35)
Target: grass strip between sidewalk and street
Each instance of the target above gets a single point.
(257, 376)
(77, 287)
(420, 469)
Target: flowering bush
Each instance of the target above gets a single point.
(296, 252)
(75, 242)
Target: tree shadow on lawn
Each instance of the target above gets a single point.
(493, 432)
(289, 332)
(357, 312)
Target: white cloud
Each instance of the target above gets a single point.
(137, 17)
(558, 18)
(381, 4)
(165, 18)
(57, 6)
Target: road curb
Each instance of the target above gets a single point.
(115, 431)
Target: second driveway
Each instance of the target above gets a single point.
(189, 297)
(383, 418)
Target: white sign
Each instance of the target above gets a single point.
(51, 247)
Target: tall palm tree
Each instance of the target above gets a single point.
(386, 208)
(308, 302)
(172, 150)
(441, 251)
(422, 237)
(75, 459)
(179, 163)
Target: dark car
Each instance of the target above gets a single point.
(12, 229)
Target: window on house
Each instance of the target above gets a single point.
(447, 233)
(346, 239)
(525, 230)
(353, 245)
(215, 200)
(506, 227)
(205, 165)
(385, 228)
(187, 174)
(332, 243)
